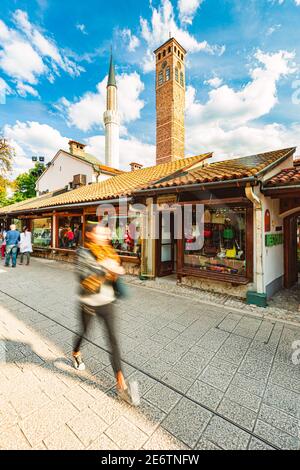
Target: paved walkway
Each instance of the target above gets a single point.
(209, 378)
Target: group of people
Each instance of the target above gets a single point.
(14, 242)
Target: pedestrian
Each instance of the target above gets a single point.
(99, 269)
(3, 244)
(70, 237)
(25, 245)
(12, 240)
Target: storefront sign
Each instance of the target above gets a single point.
(274, 239)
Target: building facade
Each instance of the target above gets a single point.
(170, 101)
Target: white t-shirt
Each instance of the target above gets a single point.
(25, 242)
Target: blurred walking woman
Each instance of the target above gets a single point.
(25, 245)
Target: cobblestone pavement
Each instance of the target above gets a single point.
(285, 305)
(210, 378)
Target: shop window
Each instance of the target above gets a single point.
(41, 232)
(160, 78)
(223, 246)
(176, 74)
(167, 74)
(126, 234)
(69, 232)
(181, 79)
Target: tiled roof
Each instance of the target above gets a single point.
(124, 184)
(19, 205)
(287, 177)
(237, 168)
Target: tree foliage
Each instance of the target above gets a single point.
(6, 157)
(25, 183)
(23, 186)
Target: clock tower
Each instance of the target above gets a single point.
(170, 101)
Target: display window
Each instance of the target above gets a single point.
(126, 234)
(69, 232)
(41, 232)
(125, 230)
(223, 247)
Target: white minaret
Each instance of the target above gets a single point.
(111, 120)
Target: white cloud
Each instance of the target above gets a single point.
(24, 90)
(156, 32)
(187, 10)
(255, 99)
(19, 60)
(32, 138)
(214, 82)
(131, 150)
(87, 112)
(132, 41)
(26, 55)
(226, 123)
(81, 28)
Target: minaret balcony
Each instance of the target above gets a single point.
(111, 117)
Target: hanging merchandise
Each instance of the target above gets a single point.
(218, 218)
(228, 233)
(207, 233)
(207, 217)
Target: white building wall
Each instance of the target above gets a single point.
(61, 173)
(273, 257)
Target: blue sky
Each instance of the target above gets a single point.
(242, 74)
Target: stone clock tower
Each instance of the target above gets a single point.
(170, 101)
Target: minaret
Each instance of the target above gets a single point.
(111, 120)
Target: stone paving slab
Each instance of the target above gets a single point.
(192, 360)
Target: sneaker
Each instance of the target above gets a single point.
(78, 362)
(130, 394)
(134, 392)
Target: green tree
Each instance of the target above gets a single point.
(25, 183)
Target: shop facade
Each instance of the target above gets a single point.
(240, 244)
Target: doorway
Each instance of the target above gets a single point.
(166, 244)
(291, 250)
